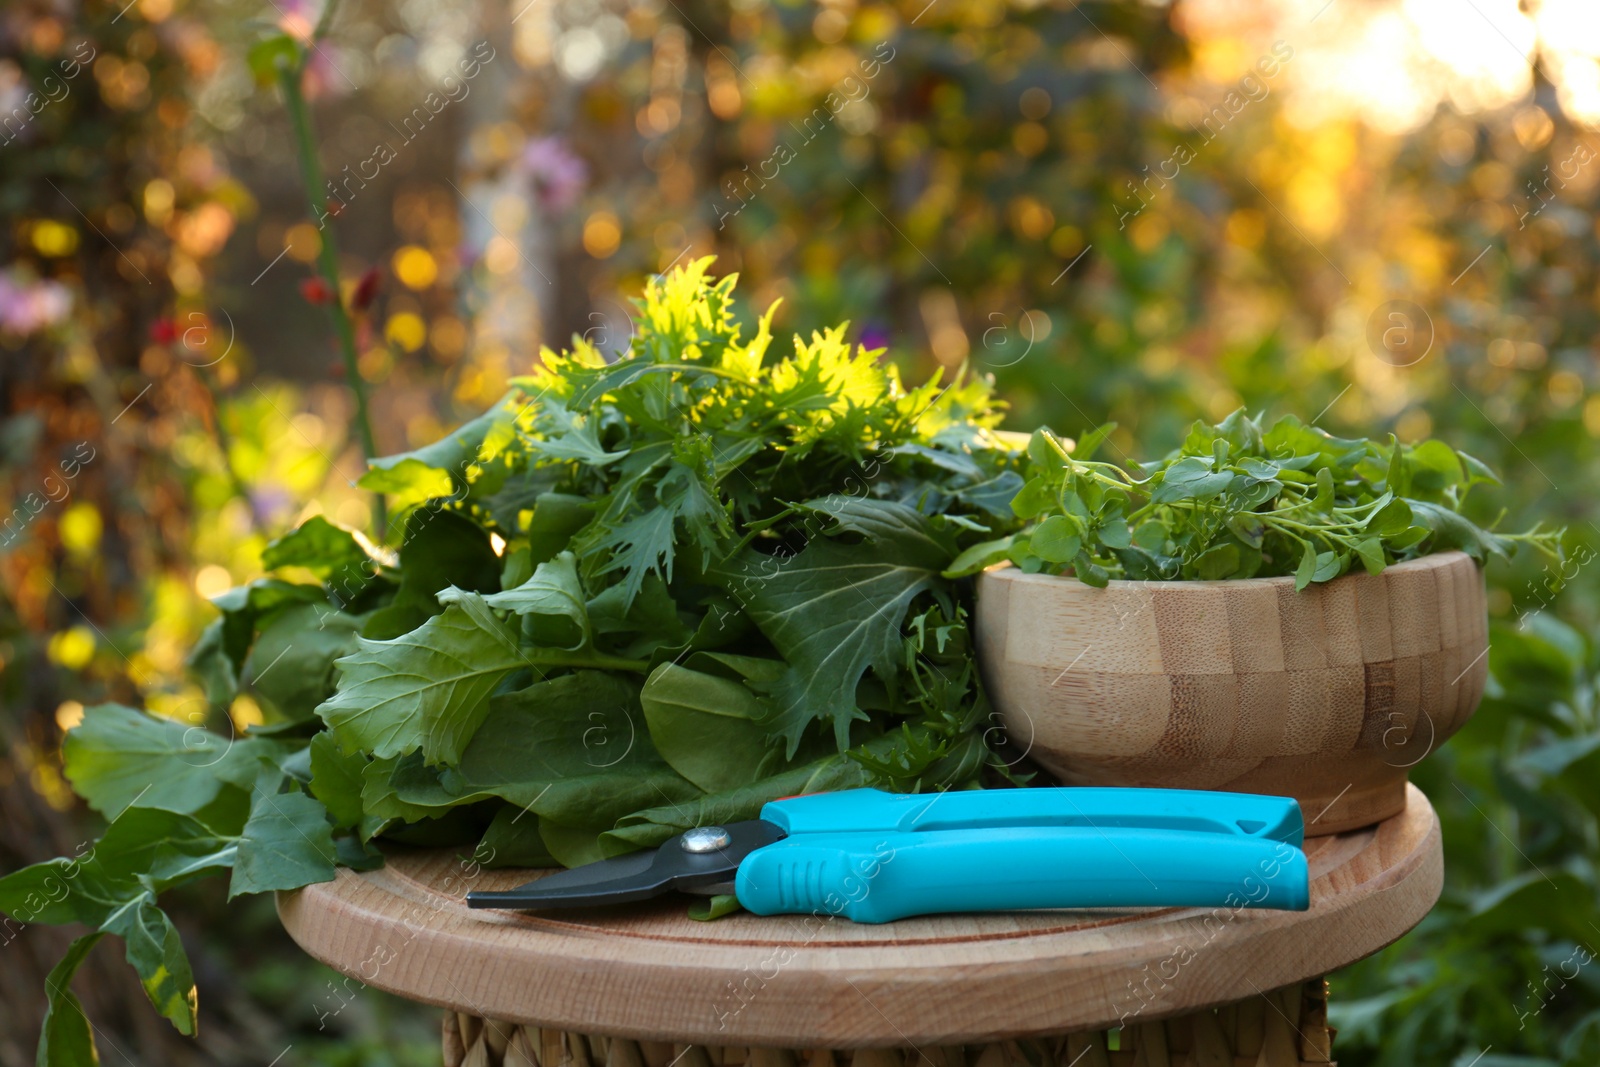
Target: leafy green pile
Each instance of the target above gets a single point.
(1239, 501)
(631, 598)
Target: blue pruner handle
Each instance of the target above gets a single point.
(1233, 814)
(875, 877)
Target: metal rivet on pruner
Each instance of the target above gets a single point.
(705, 839)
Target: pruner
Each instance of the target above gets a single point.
(873, 857)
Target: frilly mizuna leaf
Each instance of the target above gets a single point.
(836, 609)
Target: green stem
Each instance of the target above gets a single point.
(1274, 518)
(1547, 543)
(755, 529)
(289, 79)
(1094, 472)
(325, 22)
(224, 440)
(1369, 508)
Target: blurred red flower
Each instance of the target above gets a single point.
(316, 291)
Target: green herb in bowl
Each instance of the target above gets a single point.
(1239, 500)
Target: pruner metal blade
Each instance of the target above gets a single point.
(694, 859)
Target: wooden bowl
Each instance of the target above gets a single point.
(1327, 695)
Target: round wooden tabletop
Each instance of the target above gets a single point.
(649, 972)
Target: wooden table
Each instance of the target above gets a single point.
(1193, 986)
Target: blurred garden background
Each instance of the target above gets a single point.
(1374, 214)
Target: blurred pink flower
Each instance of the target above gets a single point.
(557, 174)
(13, 99)
(325, 73)
(28, 305)
(298, 18)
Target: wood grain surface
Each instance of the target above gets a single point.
(1328, 695)
(648, 972)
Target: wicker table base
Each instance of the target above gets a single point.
(1283, 1028)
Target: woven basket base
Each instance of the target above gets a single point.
(1283, 1028)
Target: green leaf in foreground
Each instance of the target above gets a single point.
(246, 607)
(979, 556)
(551, 602)
(210, 665)
(66, 1039)
(571, 751)
(455, 452)
(143, 851)
(290, 667)
(573, 726)
(162, 849)
(336, 779)
(651, 826)
(61, 890)
(1056, 539)
(156, 953)
(441, 549)
(714, 907)
(513, 840)
(836, 609)
(407, 482)
(286, 844)
(707, 727)
(323, 548)
(427, 689)
(118, 755)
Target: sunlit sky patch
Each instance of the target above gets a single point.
(1392, 63)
